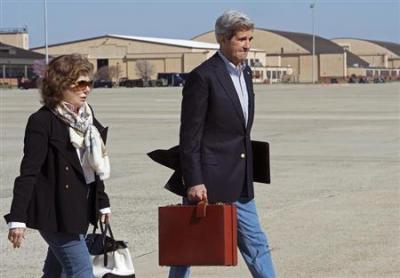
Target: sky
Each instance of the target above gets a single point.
(80, 19)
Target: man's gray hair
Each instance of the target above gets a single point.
(230, 22)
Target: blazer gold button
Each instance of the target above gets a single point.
(66, 186)
(242, 155)
(66, 168)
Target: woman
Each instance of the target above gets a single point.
(60, 189)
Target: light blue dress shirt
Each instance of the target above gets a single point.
(237, 75)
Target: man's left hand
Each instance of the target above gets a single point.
(197, 193)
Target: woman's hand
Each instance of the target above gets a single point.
(105, 218)
(15, 236)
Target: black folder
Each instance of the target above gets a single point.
(261, 169)
(170, 159)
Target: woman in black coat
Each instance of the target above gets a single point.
(60, 188)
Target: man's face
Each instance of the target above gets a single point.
(237, 48)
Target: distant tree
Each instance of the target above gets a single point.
(144, 69)
(38, 67)
(115, 72)
(102, 73)
(108, 73)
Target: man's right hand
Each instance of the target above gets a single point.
(197, 193)
(15, 236)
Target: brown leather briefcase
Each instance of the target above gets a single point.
(197, 234)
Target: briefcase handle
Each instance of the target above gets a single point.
(201, 209)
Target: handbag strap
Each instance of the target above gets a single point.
(108, 227)
(95, 228)
(105, 228)
(103, 238)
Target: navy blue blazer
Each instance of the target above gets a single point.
(215, 146)
(51, 193)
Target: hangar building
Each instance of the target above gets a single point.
(376, 53)
(123, 52)
(383, 57)
(289, 49)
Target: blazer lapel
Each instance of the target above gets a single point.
(226, 82)
(250, 92)
(60, 140)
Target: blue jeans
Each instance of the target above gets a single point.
(252, 243)
(67, 256)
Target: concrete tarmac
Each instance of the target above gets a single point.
(332, 209)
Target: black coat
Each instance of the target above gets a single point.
(51, 193)
(215, 147)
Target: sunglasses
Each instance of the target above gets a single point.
(83, 84)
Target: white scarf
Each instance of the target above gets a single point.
(86, 139)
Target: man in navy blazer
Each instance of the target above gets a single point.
(215, 147)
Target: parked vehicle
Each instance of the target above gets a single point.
(25, 83)
(184, 75)
(353, 79)
(125, 82)
(122, 82)
(362, 80)
(102, 83)
(379, 80)
(173, 78)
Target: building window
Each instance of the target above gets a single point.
(384, 73)
(102, 63)
(13, 71)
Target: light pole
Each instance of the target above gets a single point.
(1, 13)
(312, 5)
(45, 32)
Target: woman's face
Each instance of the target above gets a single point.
(78, 91)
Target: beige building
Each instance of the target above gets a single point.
(17, 37)
(377, 53)
(289, 50)
(165, 55)
(17, 62)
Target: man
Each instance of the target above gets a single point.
(215, 147)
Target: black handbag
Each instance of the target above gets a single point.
(110, 257)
